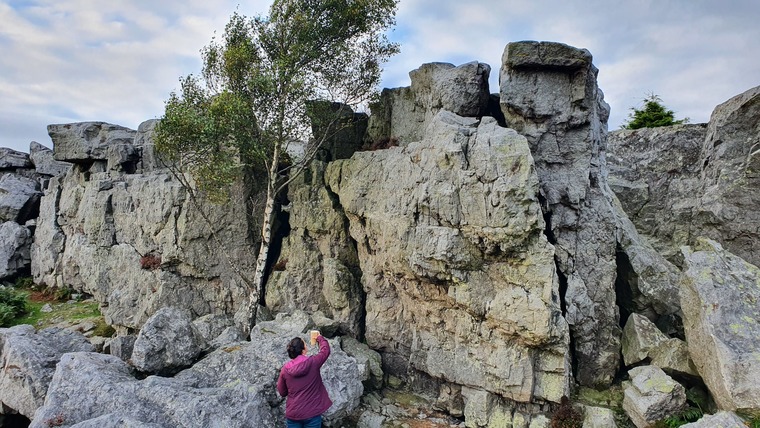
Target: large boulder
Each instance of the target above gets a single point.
(719, 296)
(652, 396)
(233, 386)
(19, 198)
(136, 241)
(549, 94)
(13, 159)
(15, 243)
(44, 161)
(168, 342)
(404, 113)
(86, 142)
(459, 278)
(28, 359)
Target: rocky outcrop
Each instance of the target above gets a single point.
(549, 95)
(652, 396)
(28, 359)
(13, 159)
(682, 182)
(459, 279)
(404, 113)
(719, 295)
(232, 386)
(19, 197)
(44, 161)
(124, 230)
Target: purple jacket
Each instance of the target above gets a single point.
(301, 381)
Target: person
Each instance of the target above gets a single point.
(300, 381)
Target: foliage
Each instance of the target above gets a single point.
(12, 305)
(24, 282)
(566, 416)
(652, 115)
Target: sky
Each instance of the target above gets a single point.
(64, 61)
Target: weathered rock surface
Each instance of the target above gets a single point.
(404, 113)
(28, 360)
(232, 386)
(718, 420)
(115, 420)
(652, 396)
(598, 417)
(44, 161)
(672, 356)
(682, 182)
(19, 198)
(167, 343)
(549, 95)
(88, 141)
(12, 159)
(719, 296)
(135, 241)
(459, 277)
(640, 337)
(15, 243)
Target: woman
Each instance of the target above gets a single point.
(301, 381)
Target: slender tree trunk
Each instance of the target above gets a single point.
(266, 240)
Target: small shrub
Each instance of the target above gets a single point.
(24, 282)
(566, 416)
(150, 261)
(280, 265)
(12, 305)
(102, 329)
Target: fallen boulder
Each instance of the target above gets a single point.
(652, 396)
(719, 296)
(167, 343)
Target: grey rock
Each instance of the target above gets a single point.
(167, 342)
(28, 359)
(672, 356)
(718, 420)
(368, 361)
(652, 396)
(44, 161)
(549, 94)
(719, 295)
(122, 346)
(15, 244)
(448, 229)
(88, 141)
(19, 197)
(12, 159)
(146, 147)
(404, 113)
(115, 420)
(598, 417)
(640, 337)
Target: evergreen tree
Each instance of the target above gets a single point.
(652, 115)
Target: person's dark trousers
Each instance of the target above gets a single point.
(315, 422)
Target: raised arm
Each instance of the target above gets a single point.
(324, 350)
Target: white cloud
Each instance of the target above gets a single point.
(74, 60)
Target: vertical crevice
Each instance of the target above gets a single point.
(626, 282)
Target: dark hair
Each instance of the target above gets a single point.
(295, 347)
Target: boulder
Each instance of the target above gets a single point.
(44, 161)
(719, 297)
(640, 337)
(718, 420)
(672, 356)
(232, 386)
(86, 142)
(12, 159)
(549, 94)
(368, 361)
(404, 113)
(167, 343)
(19, 198)
(598, 417)
(652, 396)
(28, 359)
(15, 243)
(459, 278)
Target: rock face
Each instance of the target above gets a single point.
(682, 182)
(15, 243)
(549, 94)
(404, 113)
(232, 386)
(719, 295)
(123, 229)
(459, 278)
(28, 360)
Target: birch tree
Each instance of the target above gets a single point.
(250, 101)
